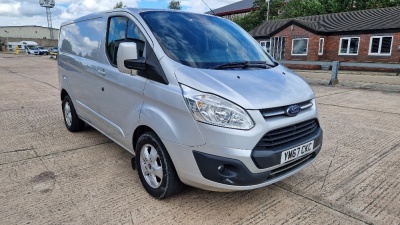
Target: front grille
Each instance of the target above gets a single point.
(281, 111)
(285, 135)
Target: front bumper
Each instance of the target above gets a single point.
(234, 172)
(249, 164)
(198, 167)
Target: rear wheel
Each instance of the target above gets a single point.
(155, 168)
(71, 119)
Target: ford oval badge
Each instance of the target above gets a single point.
(293, 110)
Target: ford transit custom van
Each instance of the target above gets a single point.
(194, 97)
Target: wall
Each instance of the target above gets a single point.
(36, 32)
(42, 42)
(293, 32)
(331, 48)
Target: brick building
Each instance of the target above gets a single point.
(358, 36)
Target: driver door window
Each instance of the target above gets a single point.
(135, 35)
(121, 29)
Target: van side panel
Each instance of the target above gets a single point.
(79, 46)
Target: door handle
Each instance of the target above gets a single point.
(101, 72)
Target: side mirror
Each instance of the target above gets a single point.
(126, 50)
(136, 64)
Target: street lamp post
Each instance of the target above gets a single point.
(267, 1)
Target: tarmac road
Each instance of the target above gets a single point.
(51, 176)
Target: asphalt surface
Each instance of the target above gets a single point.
(51, 176)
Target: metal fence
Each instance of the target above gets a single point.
(336, 65)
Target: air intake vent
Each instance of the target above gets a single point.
(287, 134)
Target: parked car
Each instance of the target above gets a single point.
(194, 97)
(32, 50)
(10, 48)
(53, 51)
(43, 50)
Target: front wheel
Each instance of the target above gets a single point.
(155, 168)
(71, 119)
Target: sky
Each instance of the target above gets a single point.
(29, 12)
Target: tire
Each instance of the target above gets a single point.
(155, 168)
(71, 119)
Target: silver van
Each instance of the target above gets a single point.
(194, 97)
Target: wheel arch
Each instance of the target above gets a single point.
(138, 132)
(63, 94)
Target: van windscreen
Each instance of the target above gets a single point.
(203, 41)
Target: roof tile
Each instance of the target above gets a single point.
(363, 20)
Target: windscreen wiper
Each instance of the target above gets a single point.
(243, 65)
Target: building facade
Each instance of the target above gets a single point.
(38, 34)
(359, 36)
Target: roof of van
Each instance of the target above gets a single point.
(131, 10)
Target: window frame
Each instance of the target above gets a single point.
(380, 45)
(319, 46)
(107, 36)
(126, 33)
(348, 47)
(293, 45)
(266, 45)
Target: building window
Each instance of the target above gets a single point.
(277, 49)
(266, 45)
(349, 46)
(299, 46)
(321, 46)
(380, 45)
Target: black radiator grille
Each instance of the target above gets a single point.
(287, 134)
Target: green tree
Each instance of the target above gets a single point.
(175, 4)
(119, 5)
(256, 17)
(372, 4)
(335, 6)
(281, 9)
(298, 8)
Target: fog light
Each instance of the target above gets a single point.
(221, 168)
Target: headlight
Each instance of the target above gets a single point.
(214, 110)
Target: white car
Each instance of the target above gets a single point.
(32, 50)
(43, 50)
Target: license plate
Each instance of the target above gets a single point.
(297, 152)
